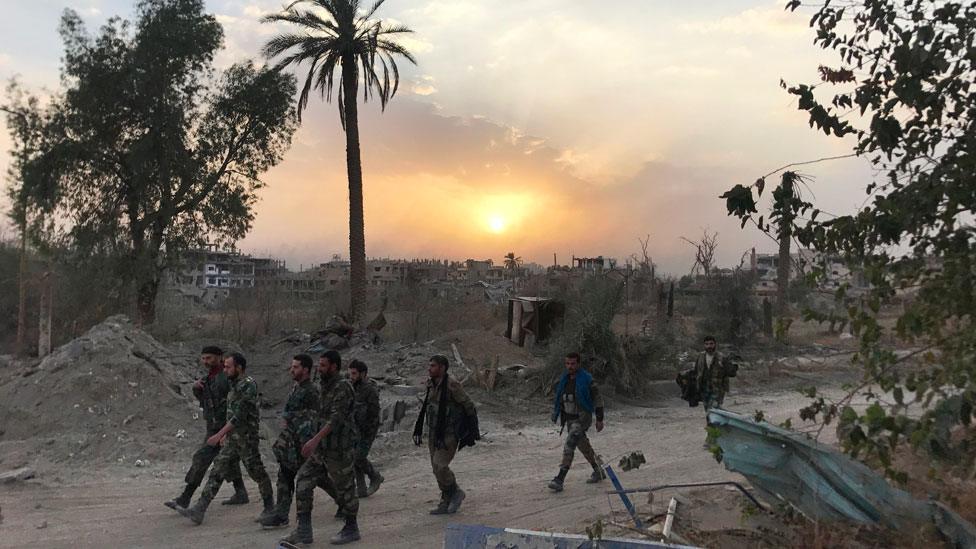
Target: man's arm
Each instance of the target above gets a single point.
(372, 411)
(340, 404)
(460, 397)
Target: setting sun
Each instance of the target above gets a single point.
(496, 223)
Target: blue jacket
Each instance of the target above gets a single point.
(583, 381)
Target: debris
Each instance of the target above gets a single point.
(632, 461)
(142, 463)
(128, 419)
(22, 474)
(784, 465)
(42, 525)
(669, 521)
(181, 433)
(476, 536)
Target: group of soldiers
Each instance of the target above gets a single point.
(327, 432)
(325, 440)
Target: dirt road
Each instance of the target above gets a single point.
(505, 478)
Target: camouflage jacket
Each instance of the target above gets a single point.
(712, 379)
(336, 405)
(242, 406)
(213, 401)
(367, 409)
(301, 412)
(458, 403)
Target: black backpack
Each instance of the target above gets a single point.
(688, 383)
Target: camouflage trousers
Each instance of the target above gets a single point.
(334, 471)
(712, 399)
(576, 438)
(363, 465)
(202, 459)
(242, 449)
(440, 462)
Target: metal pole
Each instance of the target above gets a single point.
(623, 496)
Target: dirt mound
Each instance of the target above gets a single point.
(112, 395)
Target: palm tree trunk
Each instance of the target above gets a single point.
(354, 170)
(785, 235)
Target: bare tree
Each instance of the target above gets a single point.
(704, 252)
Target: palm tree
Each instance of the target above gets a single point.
(513, 263)
(337, 34)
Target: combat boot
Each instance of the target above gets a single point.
(556, 484)
(279, 518)
(196, 512)
(361, 484)
(240, 494)
(597, 475)
(375, 479)
(441, 508)
(303, 530)
(269, 509)
(348, 534)
(457, 496)
(183, 500)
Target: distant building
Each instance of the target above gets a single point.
(594, 264)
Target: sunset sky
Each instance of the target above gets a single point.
(533, 126)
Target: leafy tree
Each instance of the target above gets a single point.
(339, 35)
(155, 153)
(904, 93)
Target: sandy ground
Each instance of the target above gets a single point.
(505, 479)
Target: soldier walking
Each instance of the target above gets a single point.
(330, 456)
(211, 391)
(448, 407)
(712, 374)
(238, 439)
(367, 414)
(577, 401)
(299, 422)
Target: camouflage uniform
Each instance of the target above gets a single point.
(458, 404)
(577, 421)
(213, 400)
(713, 381)
(241, 444)
(367, 416)
(332, 463)
(300, 424)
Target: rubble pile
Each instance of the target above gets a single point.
(113, 395)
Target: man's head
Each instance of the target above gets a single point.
(234, 365)
(710, 344)
(573, 363)
(438, 366)
(211, 356)
(301, 367)
(329, 363)
(357, 371)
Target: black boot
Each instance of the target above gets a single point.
(375, 479)
(279, 517)
(457, 496)
(348, 534)
(269, 509)
(556, 484)
(361, 484)
(196, 512)
(597, 475)
(303, 531)
(240, 494)
(182, 500)
(441, 508)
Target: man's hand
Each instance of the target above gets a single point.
(309, 447)
(418, 440)
(599, 425)
(198, 385)
(215, 440)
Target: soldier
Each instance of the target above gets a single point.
(238, 439)
(299, 422)
(330, 454)
(367, 414)
(577, 401)
(712, 374)
(211, 392)
(449, 406)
